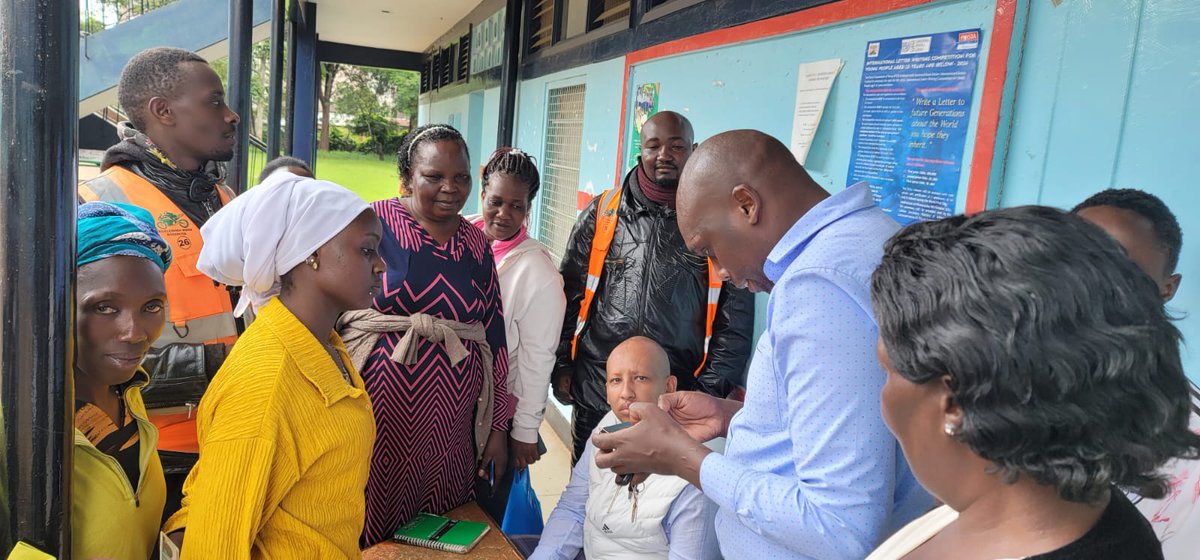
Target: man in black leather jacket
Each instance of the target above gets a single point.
(651, 286)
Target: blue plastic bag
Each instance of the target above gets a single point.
(523, 514)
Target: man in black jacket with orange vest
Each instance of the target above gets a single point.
(627, 272)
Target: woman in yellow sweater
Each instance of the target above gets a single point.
(286, 427)
(117, 487)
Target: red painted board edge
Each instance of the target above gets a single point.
(989, 107)
(582, 199)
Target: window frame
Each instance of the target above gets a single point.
(666, 8)
(538, 213)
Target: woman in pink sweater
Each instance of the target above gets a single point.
(534, 303)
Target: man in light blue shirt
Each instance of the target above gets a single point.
(810, 471)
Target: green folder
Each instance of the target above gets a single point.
(441, 533)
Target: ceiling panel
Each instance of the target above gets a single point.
(404, 25)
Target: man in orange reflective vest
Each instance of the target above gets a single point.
(627, 272)
(168, 162)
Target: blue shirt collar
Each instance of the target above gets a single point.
(854, 198)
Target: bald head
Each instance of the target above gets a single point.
(643, 354)
(667, 142)
(671, 122)
(739, 194)
(638, 371)
(740, 157)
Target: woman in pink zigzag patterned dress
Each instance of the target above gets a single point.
(425, 456)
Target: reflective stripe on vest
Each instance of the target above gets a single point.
(199, 310)
(606, 229)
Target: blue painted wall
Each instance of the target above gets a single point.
(477, 116)
(452, 111)
(1106, 98)
(491, 123)
(753, 85)
(601, 120)
(473, 128)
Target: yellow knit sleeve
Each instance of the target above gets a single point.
(234, 487)
(242, 475)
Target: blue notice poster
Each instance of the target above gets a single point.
(913, 113)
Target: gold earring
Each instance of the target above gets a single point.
(312, 261)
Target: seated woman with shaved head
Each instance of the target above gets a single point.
(1032, 375)
(599, 517)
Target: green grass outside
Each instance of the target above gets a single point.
(365, 174)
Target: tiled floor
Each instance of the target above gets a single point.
(552, 472)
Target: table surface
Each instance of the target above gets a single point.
(493, 546)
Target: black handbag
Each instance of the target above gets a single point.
(179, 373)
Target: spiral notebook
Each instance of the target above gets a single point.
(441, 533)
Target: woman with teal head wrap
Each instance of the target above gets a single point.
(107, 230)
(117, 485)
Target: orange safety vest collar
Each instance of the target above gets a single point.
(191, 295)
(606, 229)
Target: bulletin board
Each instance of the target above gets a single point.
(746, 77)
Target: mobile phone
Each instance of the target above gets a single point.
(616, 427)
(622, 479)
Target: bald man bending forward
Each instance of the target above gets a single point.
(810, 471)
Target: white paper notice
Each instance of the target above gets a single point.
(812, 90)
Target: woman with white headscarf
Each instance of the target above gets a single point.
(286, 426)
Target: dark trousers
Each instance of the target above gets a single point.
(583, 421)
(176, 466)
(494, 499)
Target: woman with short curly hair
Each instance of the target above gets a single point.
(1032, 371)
